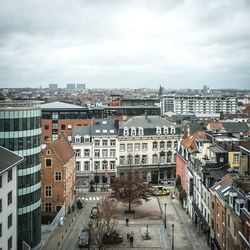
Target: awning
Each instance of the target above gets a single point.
(202, 219)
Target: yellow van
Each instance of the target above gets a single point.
(160, 190)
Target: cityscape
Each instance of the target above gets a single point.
(125, 124)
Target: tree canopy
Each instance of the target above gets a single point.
(130, 190)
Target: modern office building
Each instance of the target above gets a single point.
(71, 86)
(198, 104)
(8, 198)
(59, 118)
(80, 85)
(20, 132)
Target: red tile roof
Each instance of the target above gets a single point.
(189, 142)
(63, 149)
(215, 125)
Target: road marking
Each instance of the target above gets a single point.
(90, 198)
(94, 198)
(98, 198)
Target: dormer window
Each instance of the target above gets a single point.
(86, 139)
(140, 131)
(97, 131)
(105, 131)
(77, 139)
(158, 130)
(125, 131)
(172, 130)
(232, 197)
(239, 203)
(133, 131)
(165, 130)
(48, 152)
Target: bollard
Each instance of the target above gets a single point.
(72, 220)
(75, 215)
(66, 230)
(62, 236)
(58, 244)
(69, 224)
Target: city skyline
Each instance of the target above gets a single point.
(132, 44)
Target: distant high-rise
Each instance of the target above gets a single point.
(81, 86)
(53, 86)
(20, 132)
(71, 86)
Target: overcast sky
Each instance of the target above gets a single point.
(125, 44)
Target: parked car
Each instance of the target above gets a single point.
(84, 238)
(94, 212)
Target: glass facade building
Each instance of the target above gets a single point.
(20, 131)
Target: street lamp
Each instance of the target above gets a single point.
(172, 236)
(165, 204)
(90, 225)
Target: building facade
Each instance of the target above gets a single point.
(58, 175)
(148, 144)
(198, 104)
(8, 198)
(96, 150)
(20, 132)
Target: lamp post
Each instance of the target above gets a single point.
(90, 225)
(172, 236)
(165, 204)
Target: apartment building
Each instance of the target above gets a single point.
(8, 198)
(58, 175)
(20, 132)
(148, 144)
(198, 104)
(96, 149)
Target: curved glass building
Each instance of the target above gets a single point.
(20, 131)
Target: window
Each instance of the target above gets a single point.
(144, 146)
(97, 153)
(169, 157)
(236, 158)
(174, 157)
(97, 165)
(97, 131)
(78, 152)
(48, 152)
(86, 165)
(112, 143)
(97, 143)
(78, 165)
(69, 127)
(77, 140)
(155, 159)
(1, 230)
(86, 139)
(130, 146)
(48, 207)
(48, 162)
(144, 159)
(137, 159)
(58, 208)
(9, 197)
(169, 145)
(46, 127)
(104, 153)
(10, 175)
(165, 130)
(63, 127)
(218, 210)
(223, 218)
(125, 132)
(130, 159)
(86, 152)
(133, 131)
(155, 145)
(10, 243)
(228, 220)
(58, 176)
(48, 191)
(0, 181)
(158, 130)
(212, 205)
(162, 145)
(162, 159)
(122, 147)
(9, 220)
(112, 152)
(140, 131)
(122, 159)
(104, 142)
(175, 144)
(0, 205)
(137, 146)
(212, 223)
(104, 165)
(112, 165)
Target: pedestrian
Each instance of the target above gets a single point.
(73, 207)
(128, 236)
(68, 209)
(127, 220)
(131, 238)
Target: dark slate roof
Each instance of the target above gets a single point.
(147, 122)
(8, 159)
(216, 149)
(105, 126)
(223, 190)
(235, 127)
(211, 170)
(194, 127)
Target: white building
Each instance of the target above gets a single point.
(199, 104)
(8, 198)
(96, 151)
(148, 144)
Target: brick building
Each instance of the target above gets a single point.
(58, 175)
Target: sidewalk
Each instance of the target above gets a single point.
(56, 239)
